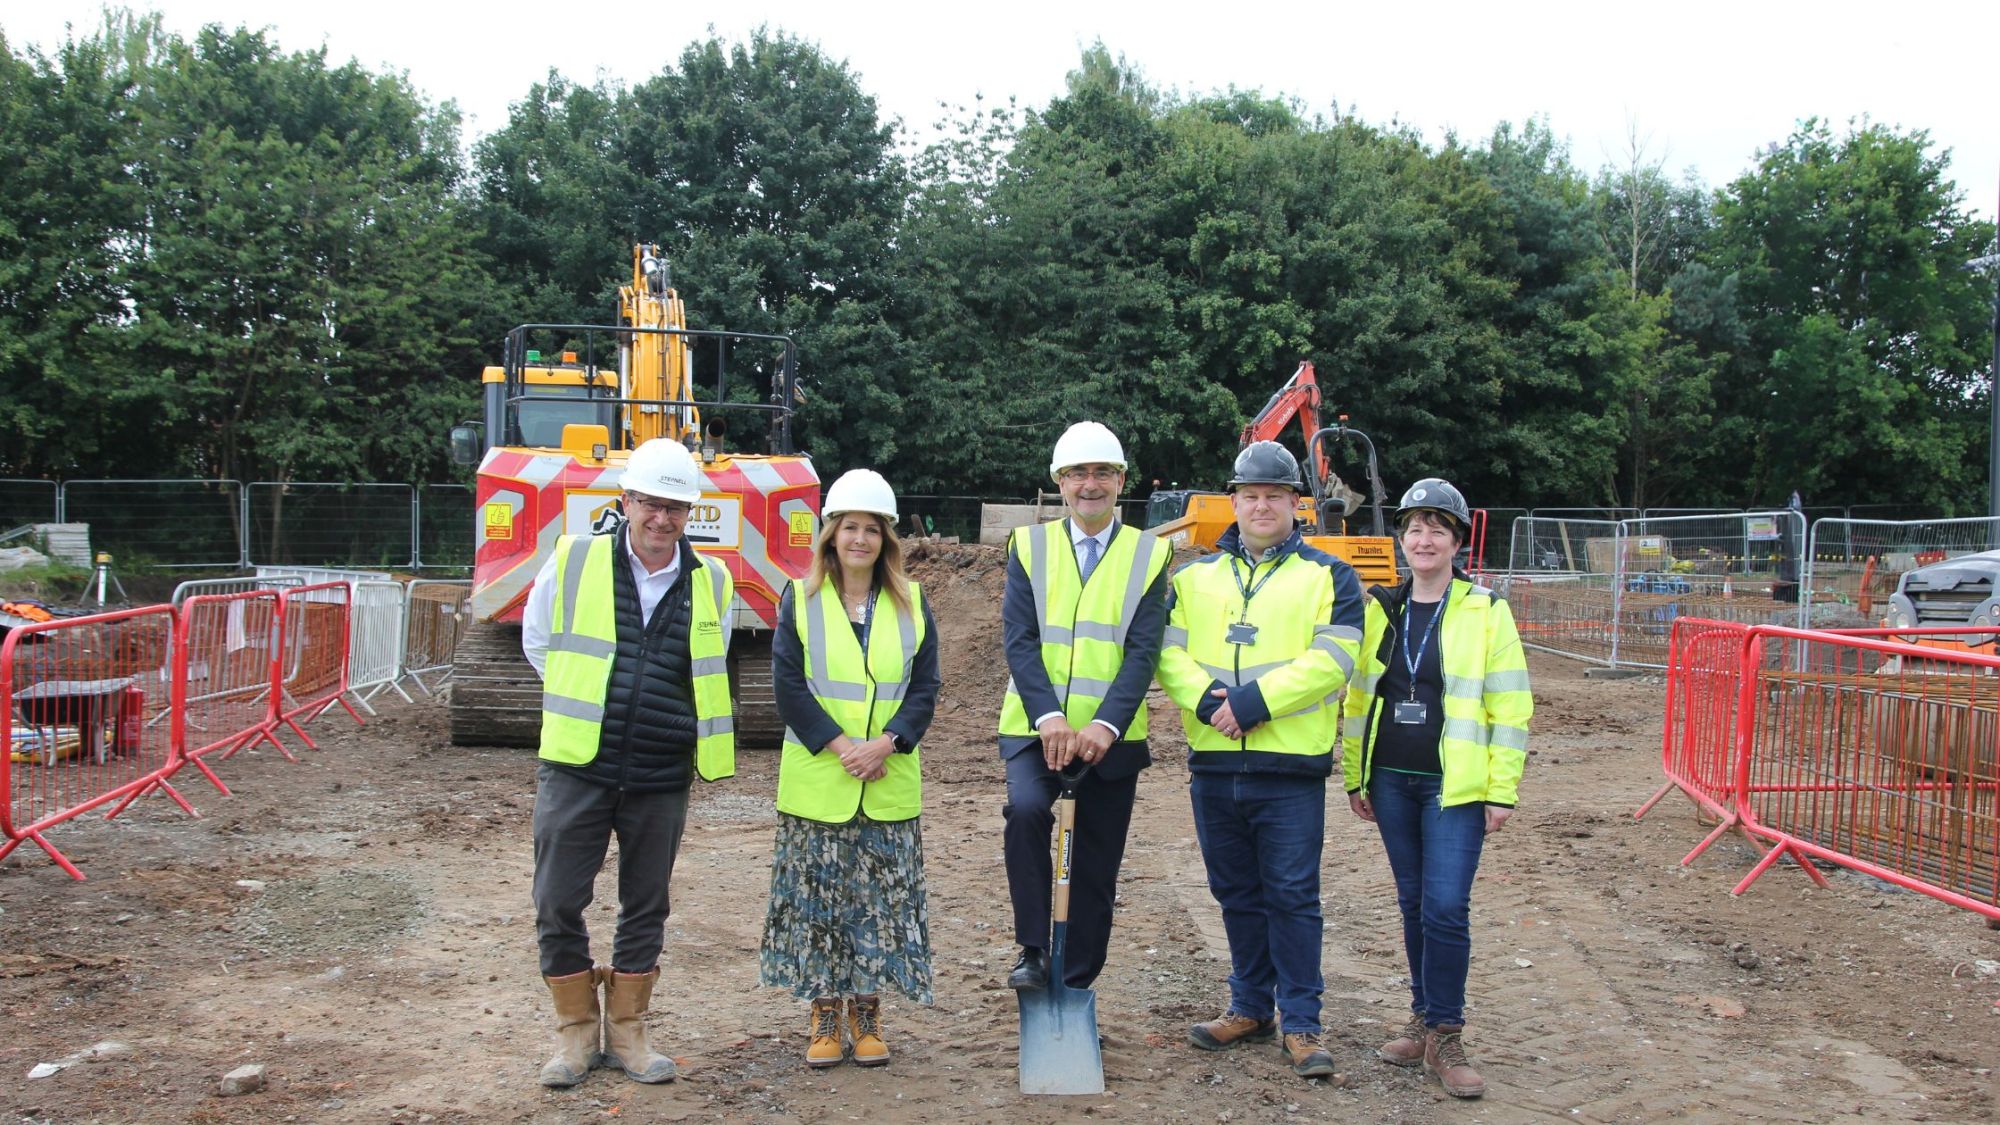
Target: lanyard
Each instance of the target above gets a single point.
(1249, 592)
(1410, 662)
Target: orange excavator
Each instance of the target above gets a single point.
(1193, 518)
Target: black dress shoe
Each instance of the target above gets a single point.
(1031, 972)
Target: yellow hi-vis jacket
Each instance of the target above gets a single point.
(1487, 701)
(861, 691)
(1286, 680)
(1083, 624)
(583, 639)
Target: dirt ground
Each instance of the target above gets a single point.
(359, 924)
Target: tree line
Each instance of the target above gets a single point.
(222, 259)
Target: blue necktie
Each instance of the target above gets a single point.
(1090, 549)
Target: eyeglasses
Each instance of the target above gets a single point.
(647, 506)
(1103, 474)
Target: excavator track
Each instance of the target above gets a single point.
(496, 698)
(758, 726)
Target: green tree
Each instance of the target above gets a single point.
(764, 172)
(66, 207)
(1864, 374)
(304, 297)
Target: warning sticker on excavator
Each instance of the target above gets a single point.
(500, 520)
(801, 530)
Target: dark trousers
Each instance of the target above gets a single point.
(1103, 813)
(1434, 854)
(574, 823)
(1260, 837)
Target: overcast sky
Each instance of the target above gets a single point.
(1706, 84)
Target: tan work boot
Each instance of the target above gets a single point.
(1229, 1029)
(864, 1030)
(824, 1048)
(576, 1029)
(1407, 1048)
(1307, 1055)
(626, 997)
(1444, 1056)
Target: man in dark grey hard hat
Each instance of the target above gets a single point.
(1261, 638)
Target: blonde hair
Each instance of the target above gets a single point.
(890, 573)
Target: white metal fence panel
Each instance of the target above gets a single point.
(1559, 584)
(439, 613)
(1736, 566)
(1855, 564)
(189, 589)
(375, 625)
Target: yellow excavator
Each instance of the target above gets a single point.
(559, 423)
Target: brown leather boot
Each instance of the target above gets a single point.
(626, 998)
(1307, 1055)
(864, 1030)
(1407, 1048)
(1229, 1029)
(823, 1034)
(1444, 1056)
(576, 1029)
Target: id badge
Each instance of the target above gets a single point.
(1242, 633)
(1411, 712)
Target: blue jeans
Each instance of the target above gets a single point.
(1260, 837)
(1434, 853)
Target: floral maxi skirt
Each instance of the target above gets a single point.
(847, 910)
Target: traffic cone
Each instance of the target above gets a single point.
(1726, 591)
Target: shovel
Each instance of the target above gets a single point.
(1059, 1053)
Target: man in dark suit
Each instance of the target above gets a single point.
(1081, 620)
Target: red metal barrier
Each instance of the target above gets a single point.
(1874, 754)
(309, 674)
(223, 656)
(83, 698)
(1698, 746)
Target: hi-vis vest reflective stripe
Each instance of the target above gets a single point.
(1487, 702)
(1083, 624)
(583, 638)
(1299, 659)
(861, 692)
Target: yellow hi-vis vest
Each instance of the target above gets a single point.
(1083, 624)
(861, 691)
(1487, 701)
(583, 639)
(1299, 660)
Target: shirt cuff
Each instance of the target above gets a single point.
(1115, 732)
(1045, 718)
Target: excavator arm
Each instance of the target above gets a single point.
(654, 364)
(1298, 398)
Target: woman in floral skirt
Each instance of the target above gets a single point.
(855, 668)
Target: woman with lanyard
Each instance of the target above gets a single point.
(1434, 740)
(854, 665)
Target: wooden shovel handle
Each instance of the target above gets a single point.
(1065, 839)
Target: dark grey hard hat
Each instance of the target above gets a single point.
(1435, 494)
(1266, 462)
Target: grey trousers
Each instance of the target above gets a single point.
(574, 823)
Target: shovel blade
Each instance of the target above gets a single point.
(1059, 1052)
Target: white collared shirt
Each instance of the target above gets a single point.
(540, 611)
(1077, 535)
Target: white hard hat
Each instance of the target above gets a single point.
(860, 490)
(663, 468)
(1086, 443)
